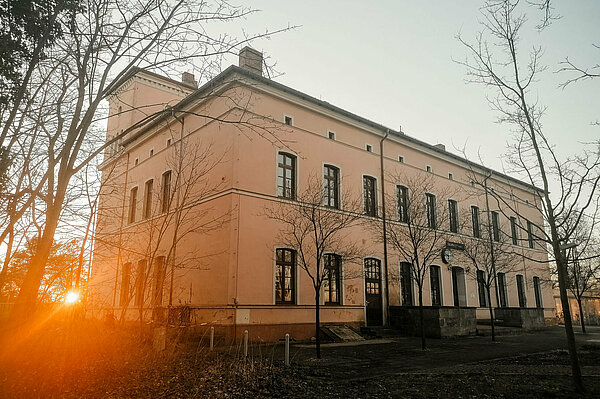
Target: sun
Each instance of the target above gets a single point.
(72, 297)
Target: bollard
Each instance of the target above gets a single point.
(212, 338)
(245, 343)
(287, 349)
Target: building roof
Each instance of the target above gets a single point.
(227, 75)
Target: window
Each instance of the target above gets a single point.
(132, 204)
(400, 159)
(513, 230)
(369, 148)
(530, 234)
(125, 280)
(372, 276)
(148, 199)
(430, 209)
(502, 290)
(166, 192)
(288, 120)
(450, 176)
(459, 291)
(537, 290)
(168, 142)
(369, 184)
(136, 162)
(481, 288)
(286, 175)
(453, 215)
(475, 221)
(331, 135)
(140, 283)
(120, 110)
(152, 152)
(331, 175)
(495, 226)
(159, 278)
(521, 291)
(285, 276)
(402, 204)
(436, 286)
(406, 283)
(332, 269)
(429, 169)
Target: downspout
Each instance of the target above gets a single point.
(384, 222)
(177, 205)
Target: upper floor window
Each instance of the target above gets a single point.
(495, 226)
(288, 120)
(370, 195)
(331, 135)
(429, 169)
(369, 148)
(166, 191)
(148, 192)
(530, 234)
(400, 159)
(286, 175)
(453, 215)
(513, 230)
(450, 176)
(403, 204)
(132, 204)
(331, 175)
(125, 281)
(332, 279)
(285, 276)
(475, 221)
(430, 210)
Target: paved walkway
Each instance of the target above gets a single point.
(398, 355)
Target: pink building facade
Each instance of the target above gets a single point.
(182, 220)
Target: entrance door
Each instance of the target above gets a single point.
(373, 292)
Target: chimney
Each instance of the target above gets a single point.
(440, 147)
(188, 79)
(251, 60)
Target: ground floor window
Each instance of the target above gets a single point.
(125, 278)
(285, 276)
(406, 284)
(331, 283)
(140, 282)
(521, 291)
(436, 286)
(459, 292)
(537, 289)
(481, 288)
(502, 290)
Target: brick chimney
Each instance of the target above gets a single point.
(188, 79)
(251, 60)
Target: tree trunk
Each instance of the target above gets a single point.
(492, 321)
(317, 324)
(422, 319)
(581, 315)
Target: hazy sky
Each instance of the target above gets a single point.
(392, 62)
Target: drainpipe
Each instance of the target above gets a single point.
(383, 219)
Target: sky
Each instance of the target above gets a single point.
(393, 62)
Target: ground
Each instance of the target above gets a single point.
(93, 360)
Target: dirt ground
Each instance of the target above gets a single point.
(92, 361)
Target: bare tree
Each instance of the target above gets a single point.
(416, 234)
(100, 48)
(320, 230)
(569, 186)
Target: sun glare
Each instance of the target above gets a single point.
(72, 297)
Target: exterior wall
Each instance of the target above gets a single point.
(228, 274)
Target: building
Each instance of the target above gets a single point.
(181, 219)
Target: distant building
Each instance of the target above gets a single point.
(227, 269)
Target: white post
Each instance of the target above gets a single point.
(212, 338)
(287, 349)
(245, 343)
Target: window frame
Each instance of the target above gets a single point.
(496, 226)
(131, 216)
(430, 210)
(514, 234)
(165, 191)
(454, 226)
(328, 181)
(402, 203)
(284, 264)
(370, 197)
(287, 118)
(148, 193)
(328, 273)
(406, 287)
(482, 290)
(476, 221)
(436, 289)
(281, 173)
(521, 291)
(502, 289)
(537, 291)
(530, 238)
(125, 283)
(331, 135)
